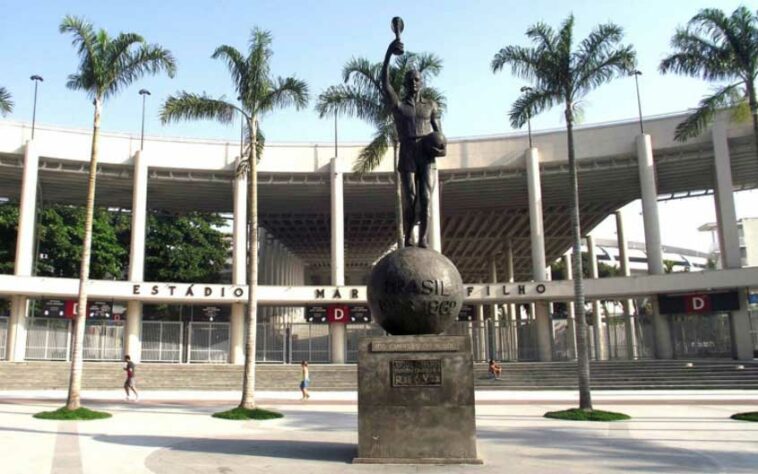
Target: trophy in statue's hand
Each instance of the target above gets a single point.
(397, 47)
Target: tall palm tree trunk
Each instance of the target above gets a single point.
(75, 380)
(753, 102)
(582, 358)
(248, 380)
(398, 198)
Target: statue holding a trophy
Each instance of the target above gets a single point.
(421, 141)
(416, 387)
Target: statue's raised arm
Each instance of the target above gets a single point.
(395, 48)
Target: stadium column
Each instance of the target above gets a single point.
(539, 266)
(629, 322)
(337, 330)
(570, 313)
(513, 319)
(494, 324)
(133, 343)
(649, 190)
(435, 222)
(599, 333)
(16, 339)
(239, 266)
(739, 320)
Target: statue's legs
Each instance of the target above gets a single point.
(408, 180)
(425, 188)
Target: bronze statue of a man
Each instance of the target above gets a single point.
(421, 142)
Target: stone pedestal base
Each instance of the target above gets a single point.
(416, 400)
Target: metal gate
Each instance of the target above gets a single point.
(162, 341)
(271, 343)
(310, 342)
(104, 340)
(706, 335)
(208, 342)
(354, 333)
(3, 336)
(48, 339)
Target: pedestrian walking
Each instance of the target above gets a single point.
(305, 380)
(129, 383)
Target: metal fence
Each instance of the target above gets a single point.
(273, 342)
(104, 340)
(705, 335)
(754, 331)
(3, 336)
(208, 342)
(162, 341)
(48, 339)
(310, 342)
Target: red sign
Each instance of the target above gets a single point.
(697, 303)
(338, 313)
(69, 309)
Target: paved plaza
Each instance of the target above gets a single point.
(172, 432)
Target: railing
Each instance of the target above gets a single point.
(104, 340)
(162, 341)
(48, 339)
(208, 342)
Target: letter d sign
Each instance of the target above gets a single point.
(338, 314)
(698, 303)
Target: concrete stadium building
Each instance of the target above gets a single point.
(500, 213)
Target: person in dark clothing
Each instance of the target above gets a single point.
(129, 384)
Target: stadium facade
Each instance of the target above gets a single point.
(500, 212)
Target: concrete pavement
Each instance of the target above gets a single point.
(172, 432)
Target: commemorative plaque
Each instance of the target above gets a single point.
(416, 373)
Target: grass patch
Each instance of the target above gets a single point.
(581, 415)
(245, 414)
(747, 416)
(80, 413)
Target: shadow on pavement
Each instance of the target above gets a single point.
(273, 448)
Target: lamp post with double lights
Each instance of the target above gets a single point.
(528, 116)
(637, 73)
(144, 93)
(37, 79)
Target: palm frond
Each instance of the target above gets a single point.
(258, 68)
(236, 64)
(148, 59)
(187, 106)
(348, 100)
(371, 156)
(532, 102)
(693, 125)
(362, 73)
(284, 93)
(6, 104)
(604, 67)
(427, 64)
(524, 62)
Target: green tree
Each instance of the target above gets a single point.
(717, 48)
(6, 104)
(8, 232)
(259, 93)
(60, 243)
(563, 75)
(185, 248)
(558, 268)
(106, 66)
(360, 96)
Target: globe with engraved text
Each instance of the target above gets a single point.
(415, 291)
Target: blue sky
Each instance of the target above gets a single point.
(313, 39)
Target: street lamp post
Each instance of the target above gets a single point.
(528, 116)
(37, 79)
(637, 73)
(144, 93)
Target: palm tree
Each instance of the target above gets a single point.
(360, 96)
(107, 65)
(259, 93)
(720, 49)
(563, 76)
(6, 104)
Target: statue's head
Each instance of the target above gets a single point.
(412, 81)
